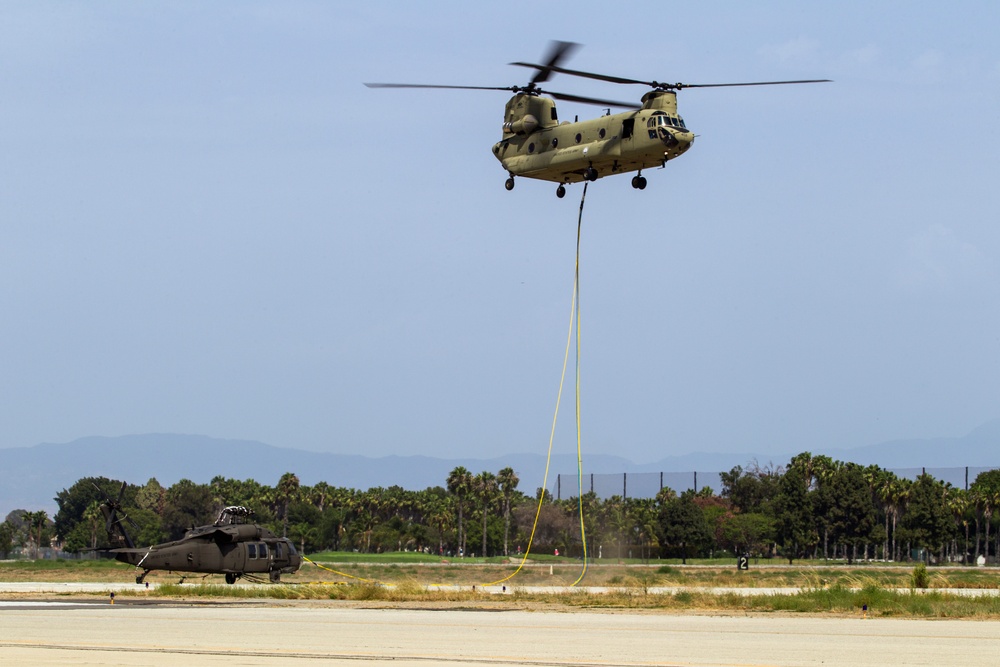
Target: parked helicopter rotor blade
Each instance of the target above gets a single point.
(111, 514)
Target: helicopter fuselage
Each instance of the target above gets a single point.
(536, 145)
(232, 550)
(231, 546)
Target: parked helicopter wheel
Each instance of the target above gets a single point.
(230, 578)
(509, 184)
(560, 192)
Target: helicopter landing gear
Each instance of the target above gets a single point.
(509, 184)
(590, 174)
(230, 577)
(275, 575)
(639, 182)
(561, 191)
(141, 577)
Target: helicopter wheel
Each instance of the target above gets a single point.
(560, 192)
(509, 184)
(590, 174)
(639, 182)
(230, 578)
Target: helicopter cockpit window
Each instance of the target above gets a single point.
(252, 551)
(277, 550)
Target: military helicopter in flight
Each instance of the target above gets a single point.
(536, 145)
(233, 546)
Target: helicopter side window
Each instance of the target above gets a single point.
(628, 126)
(252, 551)
(263, 550)
(681, 121)
(277, 551)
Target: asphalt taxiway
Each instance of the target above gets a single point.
(141, 632)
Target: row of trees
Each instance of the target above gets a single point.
(814, 507)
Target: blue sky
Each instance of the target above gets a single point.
(208, 225)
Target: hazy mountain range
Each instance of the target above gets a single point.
(31, 476)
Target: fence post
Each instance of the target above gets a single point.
(558, 487)
(624, 485)
(696, 481)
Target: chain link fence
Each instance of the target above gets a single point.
(648, 484)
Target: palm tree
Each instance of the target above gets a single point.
(95, 520)
(485, 487)
(288, 488)
(35, 521)
(507, 479)
(958, 503)
(459, 484)
(320, 493)
(439, 516)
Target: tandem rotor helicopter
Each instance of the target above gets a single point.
(536, 145)
(233, 546)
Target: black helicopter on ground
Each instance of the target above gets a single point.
(233, 546)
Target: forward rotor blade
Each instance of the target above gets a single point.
(593, 100)
(422, 85)
(557, 51)
(588, 75)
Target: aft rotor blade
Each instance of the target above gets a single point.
(678, 86)
(665, 86)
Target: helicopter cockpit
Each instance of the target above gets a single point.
(662, 119)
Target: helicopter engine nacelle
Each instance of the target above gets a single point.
(526, 124)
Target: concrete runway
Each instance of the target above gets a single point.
(144, 633)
